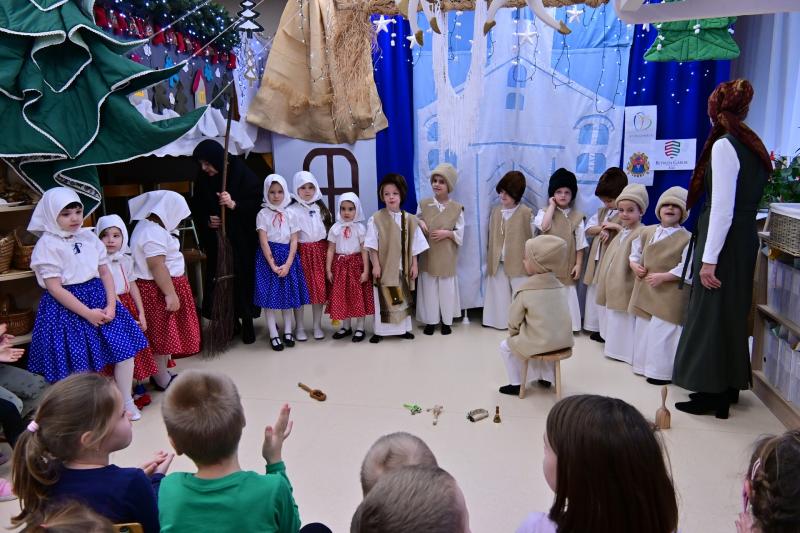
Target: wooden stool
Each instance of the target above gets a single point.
(556, 357)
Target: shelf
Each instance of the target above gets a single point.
(784, 410)
(780, 319)
(16, 208)
(13, 274)
(22, 339)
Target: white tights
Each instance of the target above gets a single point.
(359, 323)
(316, 315)
(123, 376)
(272, 324)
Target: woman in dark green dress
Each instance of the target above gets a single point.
(713, 355)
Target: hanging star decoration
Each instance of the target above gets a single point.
(382, 24)
(527, 36)
(412, 41)
(574, 13)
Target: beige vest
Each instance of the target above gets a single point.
(394, 245)
(564, 227)
(538, 319)
(513, 233)
(589, 276)
(616, 278)
(440, 259)
(666, 301)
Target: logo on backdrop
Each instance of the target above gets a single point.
(672, 149)
(641, 121)
(638, 164)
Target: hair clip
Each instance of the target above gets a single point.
(33, 426)
(755, 468)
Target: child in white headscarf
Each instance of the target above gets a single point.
(80, 326)
(313, 220)
(347, 266)
(158, 266)
(280, 283)
(114, 235)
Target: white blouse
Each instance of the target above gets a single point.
(418, 242)
(309, 222)
(278, 226)
(660, 234)
(347, 242)
(458, 231)
(121, 267)
(151, 240)
(74, 259)
(580, 231)
(725, 173)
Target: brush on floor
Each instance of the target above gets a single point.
(663, 417)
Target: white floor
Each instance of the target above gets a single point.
(497, 465)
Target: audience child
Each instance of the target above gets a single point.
(510, 226)
(538, 320)
(313, 220)
(18, 386)
(80, 326)
(563, 220)
(391, 452)
(603, 226)
(70, 517)
(442, 221)
(607, 469)
(413, 499)
(616, 277)
(64, 455)
(280, 282)
(394, 240)
(659, 304)
(160, 271)
(114, 235)
(204, 418)
(772, 487)
(347, 266)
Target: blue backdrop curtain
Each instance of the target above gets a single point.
(394, 146)
(681, 91)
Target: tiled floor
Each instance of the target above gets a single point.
(497, 465)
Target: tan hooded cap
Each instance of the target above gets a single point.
(636, 193)
(546, 253)
(674, 196)
(449, 173)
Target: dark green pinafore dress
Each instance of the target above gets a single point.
(713, 353)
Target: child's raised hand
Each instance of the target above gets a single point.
(96, 317)
(551, 202)
(163, 461)
(275, 435)
(173, 303)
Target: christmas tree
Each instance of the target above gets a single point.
(694, 40)
(248, 17)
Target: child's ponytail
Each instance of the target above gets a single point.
(78, 405)
(325, 214)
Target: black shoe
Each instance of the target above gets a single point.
(158, 387)
(288, 340)
(446, 330)
(654, 381)
(544, 383)
(511, 390)
(342, 333)
(358, 336)
(276, 344)
(407, 335)
(429, 329)
(596, 337)
(707, 404)
(248, 333)
(375, 339)
(733, 395)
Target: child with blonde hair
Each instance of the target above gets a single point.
(391, 452)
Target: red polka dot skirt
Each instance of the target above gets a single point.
(349, 298)
(312, 259)
(170, 333)
(144, 365)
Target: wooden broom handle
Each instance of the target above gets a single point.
(231, 104)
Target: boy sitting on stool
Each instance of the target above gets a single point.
(538, 320)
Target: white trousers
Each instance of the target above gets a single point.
(620, 335)
(385, 329)
(640, 345)
(602, 314)
(574, 307)
(515, 366)
(660, 343)
(591, 317)
(499, 292)
(437, 299)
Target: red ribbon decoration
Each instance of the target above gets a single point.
(279, 218)
(347, 232)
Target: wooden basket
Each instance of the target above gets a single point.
(784, 228)
(7, 245)
(25, 241)
(18, 322)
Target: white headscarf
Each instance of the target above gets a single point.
(169, 206)
(114, 221)
(349, 197)
(276, 178)
(300, 179)
(45, 216)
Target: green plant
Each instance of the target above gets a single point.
(783, 184)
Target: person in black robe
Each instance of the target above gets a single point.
(242, 199)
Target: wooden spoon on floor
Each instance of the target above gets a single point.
(314, 393)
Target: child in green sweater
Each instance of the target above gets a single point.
(204, 418)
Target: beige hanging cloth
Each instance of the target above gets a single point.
(318, 83)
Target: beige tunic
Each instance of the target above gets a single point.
(507, 238)
(395, 247)
(616, 278)
(564, 226)
(539, 319)
(597, 245)
(441, 258)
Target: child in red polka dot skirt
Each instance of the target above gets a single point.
(112, 232)
(158, 265)
(313, 220)
(347, 267)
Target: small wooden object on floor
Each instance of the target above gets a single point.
(314, 393)
(663, 417)
(436, 410)
(555, 357)
(496, 414)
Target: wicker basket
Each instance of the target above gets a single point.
(7, 245)
(25, 241)
(18, 322)
(784, 228)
